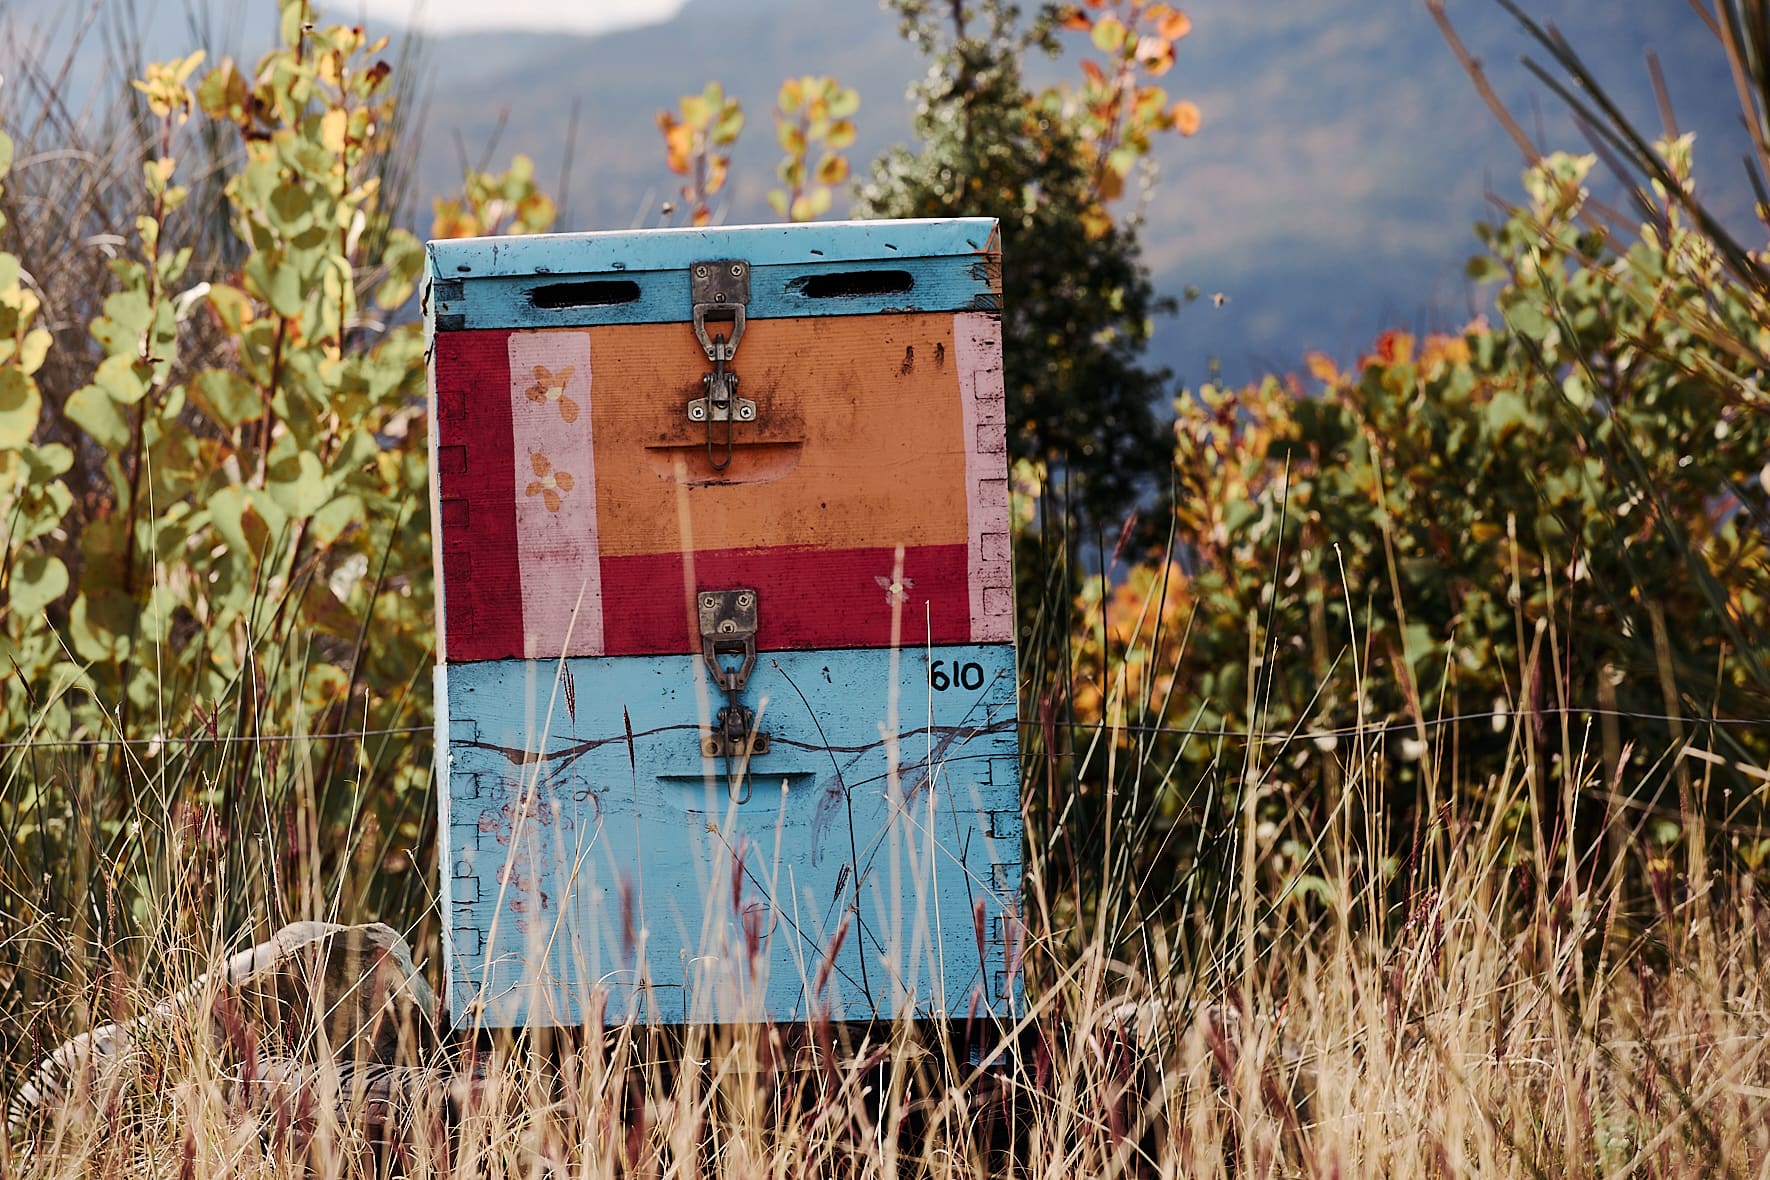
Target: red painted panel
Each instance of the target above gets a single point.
(810, 598)
(482, 588)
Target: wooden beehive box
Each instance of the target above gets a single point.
(726, 684)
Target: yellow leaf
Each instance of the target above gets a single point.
(1186, 118)
(832, 170)
(841, 133)
(1321, 367)
(844, 102)
(185, 68)
(333, 125)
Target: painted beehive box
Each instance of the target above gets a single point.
(726, 681)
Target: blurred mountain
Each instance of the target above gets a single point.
(1331, 194)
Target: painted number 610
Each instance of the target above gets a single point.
(967, 674)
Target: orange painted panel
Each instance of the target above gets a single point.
(859, 440)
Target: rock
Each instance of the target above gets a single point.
(314, 992)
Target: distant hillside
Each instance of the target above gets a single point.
(1343, 160)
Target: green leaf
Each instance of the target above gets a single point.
(5, 153)
(122, 377)
(232, 306)
(127, 315)
(729, 125)
(20, 405)
(290, 26)
(222, 94)
(99, 625)
(299, 485)
(278, 284)
(1505, 413)
(46, 462)
(1109, 34)
(248, 521)
(289, 210)
(227, 398)
(336, 518)
(1577, 389)
(36, 580)
(98, 414)
(1483, 269)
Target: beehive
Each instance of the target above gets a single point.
(726, 687)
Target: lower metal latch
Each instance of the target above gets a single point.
(734, 735)
(728, 634)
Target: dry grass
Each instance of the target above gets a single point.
(1446, 1016)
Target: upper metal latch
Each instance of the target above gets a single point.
(728, 630)
(719, 292)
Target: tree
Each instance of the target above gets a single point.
(1078, 302)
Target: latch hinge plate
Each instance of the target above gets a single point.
(719, 293)
(728, 628)
(728, 646)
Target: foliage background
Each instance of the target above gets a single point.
(1520, 567)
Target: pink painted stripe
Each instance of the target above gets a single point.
(977, 345)
(555, 494)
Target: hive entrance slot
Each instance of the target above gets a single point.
(589, 293)
(855, 284)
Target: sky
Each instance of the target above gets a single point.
(575, 16)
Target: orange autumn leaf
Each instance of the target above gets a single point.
(1186, 118)
(1169, 21)
(1395, 347)
(1321, 367)
(1440, 349)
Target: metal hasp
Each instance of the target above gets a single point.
(719, 292)
(728, 629)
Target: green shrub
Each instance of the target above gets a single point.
(1547, 535)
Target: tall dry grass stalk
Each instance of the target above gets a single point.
(1475, 1009)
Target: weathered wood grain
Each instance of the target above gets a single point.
(596, 858)
(871, 434)
(777, 292)
(983, 400)
(800, 246)
(859, 425)
(593, 858)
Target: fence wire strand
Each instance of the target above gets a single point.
(1274, 735)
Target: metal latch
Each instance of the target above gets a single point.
(728, 645)
(719, 292)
